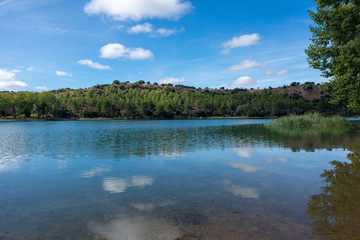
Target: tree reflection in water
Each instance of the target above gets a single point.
(336, 211)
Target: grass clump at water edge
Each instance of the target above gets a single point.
(309, 120)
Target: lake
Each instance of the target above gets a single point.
(177, 179)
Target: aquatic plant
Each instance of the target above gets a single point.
(309, 120)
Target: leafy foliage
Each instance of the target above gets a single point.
(335, 48)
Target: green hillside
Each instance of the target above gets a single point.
(145, 100)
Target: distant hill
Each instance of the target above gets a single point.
(145, 100)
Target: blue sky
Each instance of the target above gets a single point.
(51, 44)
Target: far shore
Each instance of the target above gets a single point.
(101, 119)
(98, 119)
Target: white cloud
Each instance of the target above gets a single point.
(302, 65)
(137, 10)
(8, 80)
(30, 69)
(268, 73)
(247, 64)
(148, 28)
(62, 73)
(271, 73)
(16, 71)
(95, 65)
(164, 32)
(241, 41)
(139, 54)
(172, 80)
(225, 51)
(141, 28)
(282, 72)
(243, 81)
(283, 59)
(116, 50)
(120, 27)
(41, 88)
(113, 50)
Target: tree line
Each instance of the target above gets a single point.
(140, 100)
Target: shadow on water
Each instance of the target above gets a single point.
(336, 210)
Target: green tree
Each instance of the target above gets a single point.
(106, 108)
(335, 48)
(5, 100)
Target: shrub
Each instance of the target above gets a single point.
(309, 120)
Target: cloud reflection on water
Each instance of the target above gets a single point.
(10, 163)
(119, 185)
(141, 181)
(144, 206)
(175, 154)
(95, 171)
(135, 228)
(245, 167)
(282, 160)
(244, 152)
(279, 159)
(151, 206)
(238, 190)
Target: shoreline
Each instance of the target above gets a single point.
(100, 119)
(351, 118)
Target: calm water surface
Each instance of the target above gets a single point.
(179, 179)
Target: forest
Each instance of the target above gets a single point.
(142, 100)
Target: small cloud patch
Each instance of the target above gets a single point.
(247, 64)
(141, 28)
(8, 80)
(116, 50)
(137, 10)
(172, 80)
(243, 81)
(271, 73)
(91, 64)
(241, 41)
(43, 88)
(62, 73)
(148, 28)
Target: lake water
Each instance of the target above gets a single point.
(176, 179)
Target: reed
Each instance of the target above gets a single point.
(309, 120)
